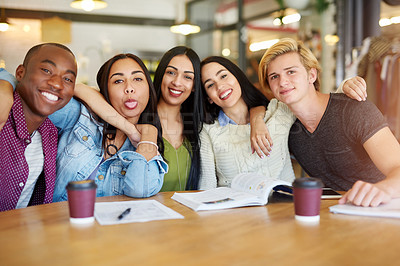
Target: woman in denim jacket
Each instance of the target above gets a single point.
(89, 148)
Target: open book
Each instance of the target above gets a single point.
(249, 189)
(391, 209)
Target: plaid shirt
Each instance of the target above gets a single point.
(14, 170)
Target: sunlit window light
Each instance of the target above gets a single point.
(257, 46)
(291, 18)
(384, 22)
(331, 39)
(287, 19)
(395, 20)
(26, 28)
(4, 27)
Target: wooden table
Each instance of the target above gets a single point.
(267, 235)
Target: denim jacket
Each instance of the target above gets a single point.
(80, 152)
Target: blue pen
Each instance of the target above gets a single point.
(126, 212)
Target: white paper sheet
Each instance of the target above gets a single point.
(106, 213)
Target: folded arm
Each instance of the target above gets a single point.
(144, 179)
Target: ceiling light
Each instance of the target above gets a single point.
(226, 52)
(185, 27)
(88, 5)
(4, 24)
(384, 22)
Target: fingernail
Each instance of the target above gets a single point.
(262, 156)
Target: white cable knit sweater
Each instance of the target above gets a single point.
(226, 151)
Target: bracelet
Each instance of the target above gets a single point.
(148, 142)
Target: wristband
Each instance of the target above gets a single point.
(148, 142)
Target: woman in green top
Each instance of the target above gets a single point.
(180, 108)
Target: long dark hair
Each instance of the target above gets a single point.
(250, 94)
(149, 114)
(192, 111)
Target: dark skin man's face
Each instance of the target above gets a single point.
(46, 83)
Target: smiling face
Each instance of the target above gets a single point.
(128, 89)
(288, 78)
(178, 80)
(221, 86)
(46, 83)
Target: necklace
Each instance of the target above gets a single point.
(111, 149)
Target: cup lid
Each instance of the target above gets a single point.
(307, 182)
(81, 185)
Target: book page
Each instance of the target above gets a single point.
(256, 184)
(219, 195)
(216, 198)
(106, 213)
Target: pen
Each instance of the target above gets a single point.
(126, 212)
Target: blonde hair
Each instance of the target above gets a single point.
(284, 46)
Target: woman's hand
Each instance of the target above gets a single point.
(261, 141)
(356, 88)
(148, 148)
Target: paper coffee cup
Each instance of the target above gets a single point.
(307, 193)
(81, 200)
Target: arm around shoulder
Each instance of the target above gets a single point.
(6, 101)
(95, 100)
(260, 139)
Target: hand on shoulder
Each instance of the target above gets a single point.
(355, 88)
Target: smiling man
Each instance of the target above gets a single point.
(346, 143)
(28, 140)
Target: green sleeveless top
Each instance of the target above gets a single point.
(179, 163)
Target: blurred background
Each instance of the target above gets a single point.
(349, 37)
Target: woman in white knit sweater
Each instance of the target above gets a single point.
(225, 139)
(225, 145)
